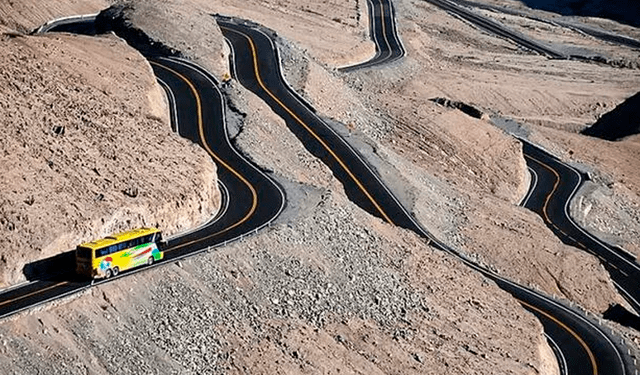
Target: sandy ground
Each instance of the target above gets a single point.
(373, 299)
(83, 157)
(26, 16)
(609, 205)
(465, 176)
(325, 290)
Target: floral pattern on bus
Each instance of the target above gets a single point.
(106, 263)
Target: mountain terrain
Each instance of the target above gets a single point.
(88, 150)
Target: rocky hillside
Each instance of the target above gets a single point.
(330, 288)
(83, 157)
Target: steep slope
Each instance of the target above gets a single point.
(331, 288)
(372, 297)
(82, 156)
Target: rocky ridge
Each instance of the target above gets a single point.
(446, 191)
(83, 157)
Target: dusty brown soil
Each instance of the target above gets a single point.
(373, 299)
(188, 26)
(331, 288)
(26, 16)
(83, 157)
(466, 176)
(610, 205)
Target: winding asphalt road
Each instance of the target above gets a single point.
(555, 187)
(497, 29)
(382, 26)
(556, 182)
(251, 199)
(605, 35)
(581, 345)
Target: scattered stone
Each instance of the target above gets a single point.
(131, 191)
(418, 357)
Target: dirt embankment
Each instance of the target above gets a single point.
(188, 27)
(26, 16)
(608, 206)
(462, 176)
(330, 288)
(334, 290)
(84, 155)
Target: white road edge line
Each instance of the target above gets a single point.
(532, 187)
(558, 351)
(205, 74)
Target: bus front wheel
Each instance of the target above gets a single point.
(150, 261)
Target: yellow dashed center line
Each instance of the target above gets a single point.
(254, 194)
(592, 357)
(548, 198)
(308, 128)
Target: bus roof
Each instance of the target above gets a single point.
(118, 237)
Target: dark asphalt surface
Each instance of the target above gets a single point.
(383, 31)
(623, 269)
(254, 198)
(497, 29)
(585, 346)
(322, 141)
(254, 201)
(557, 185)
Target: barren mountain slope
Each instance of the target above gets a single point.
(463, 175)
(26, 16)
(610, 205)
(188, 26)
(336, 31)
(330, 289)
(83, 155)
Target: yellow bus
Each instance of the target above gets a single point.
(111, 255)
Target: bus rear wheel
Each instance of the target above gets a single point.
(150, 261)
(107, 273)
(116, 271)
